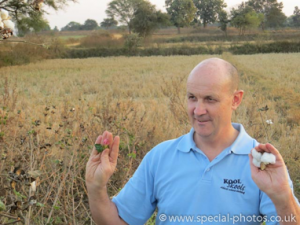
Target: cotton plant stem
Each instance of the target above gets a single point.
(262, 120)
(8, 216)
(27, 222)
(13, 222)
(59, 189)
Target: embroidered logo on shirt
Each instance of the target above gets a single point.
(234, 185)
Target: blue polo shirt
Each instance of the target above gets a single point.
(178, 179)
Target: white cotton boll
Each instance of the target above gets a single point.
(268, 158)
(256, 154)
(269, 122)
(33, 186)
(256, 162)
(9, 24)
(4, 14)
(1, 25)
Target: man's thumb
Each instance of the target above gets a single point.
(105, 156)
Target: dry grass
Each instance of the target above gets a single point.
(104, 40)
(52, 111)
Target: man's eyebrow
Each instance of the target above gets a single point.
(211, 96)
(206, 96)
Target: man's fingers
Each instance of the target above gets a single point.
(275, 152)
(113, 145)
(115, 149)
(98, 141)
(261, 148)
(110, 139)
(105, 158)
(270, 149)
(104, 136)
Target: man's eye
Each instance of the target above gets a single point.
(191, 97)
(210, 99)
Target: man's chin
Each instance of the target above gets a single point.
(202, 133)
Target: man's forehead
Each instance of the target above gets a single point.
(208, 72)
(204, 88)
(207, 85)
(207, 79)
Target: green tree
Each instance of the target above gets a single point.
(163, 19)
(275, 18)
(147, 19)
(272, 10)
(72, 26)
(33, 23)
(208, 10)
(89, 25)
(182, 12)
(297, 11)
(109, 22)
(123, 11)
(223, 21)
(296, 17)
(29, 15)
(55, 29)
(245, 17)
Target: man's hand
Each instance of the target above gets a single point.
(99, 169)
(274, 179)
(101, 166)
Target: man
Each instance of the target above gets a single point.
(203, 177)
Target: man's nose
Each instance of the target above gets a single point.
(200, 109)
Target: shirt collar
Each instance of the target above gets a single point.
(187, 143)
(242, 144)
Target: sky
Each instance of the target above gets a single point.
(95, 9)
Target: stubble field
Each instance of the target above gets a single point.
(52, 111)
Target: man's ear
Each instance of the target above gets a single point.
(237, 99)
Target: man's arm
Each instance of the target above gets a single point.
(287, 209)
(274, 181)
(99, 169)
(103, 210)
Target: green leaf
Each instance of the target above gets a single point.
(40, 204)
(19, 195)
(99, 148)
(132, 155)
(2, 206)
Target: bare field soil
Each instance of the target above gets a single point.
(52, 112)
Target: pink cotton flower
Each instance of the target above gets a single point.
(105, 142)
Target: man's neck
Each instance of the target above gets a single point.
(212, 147)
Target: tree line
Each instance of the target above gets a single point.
(142, 17)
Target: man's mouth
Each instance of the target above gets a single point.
(203, 121)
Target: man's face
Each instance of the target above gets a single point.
(209, 102)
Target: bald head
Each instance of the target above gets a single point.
(219, 68)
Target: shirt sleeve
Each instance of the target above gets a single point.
(136, 202)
